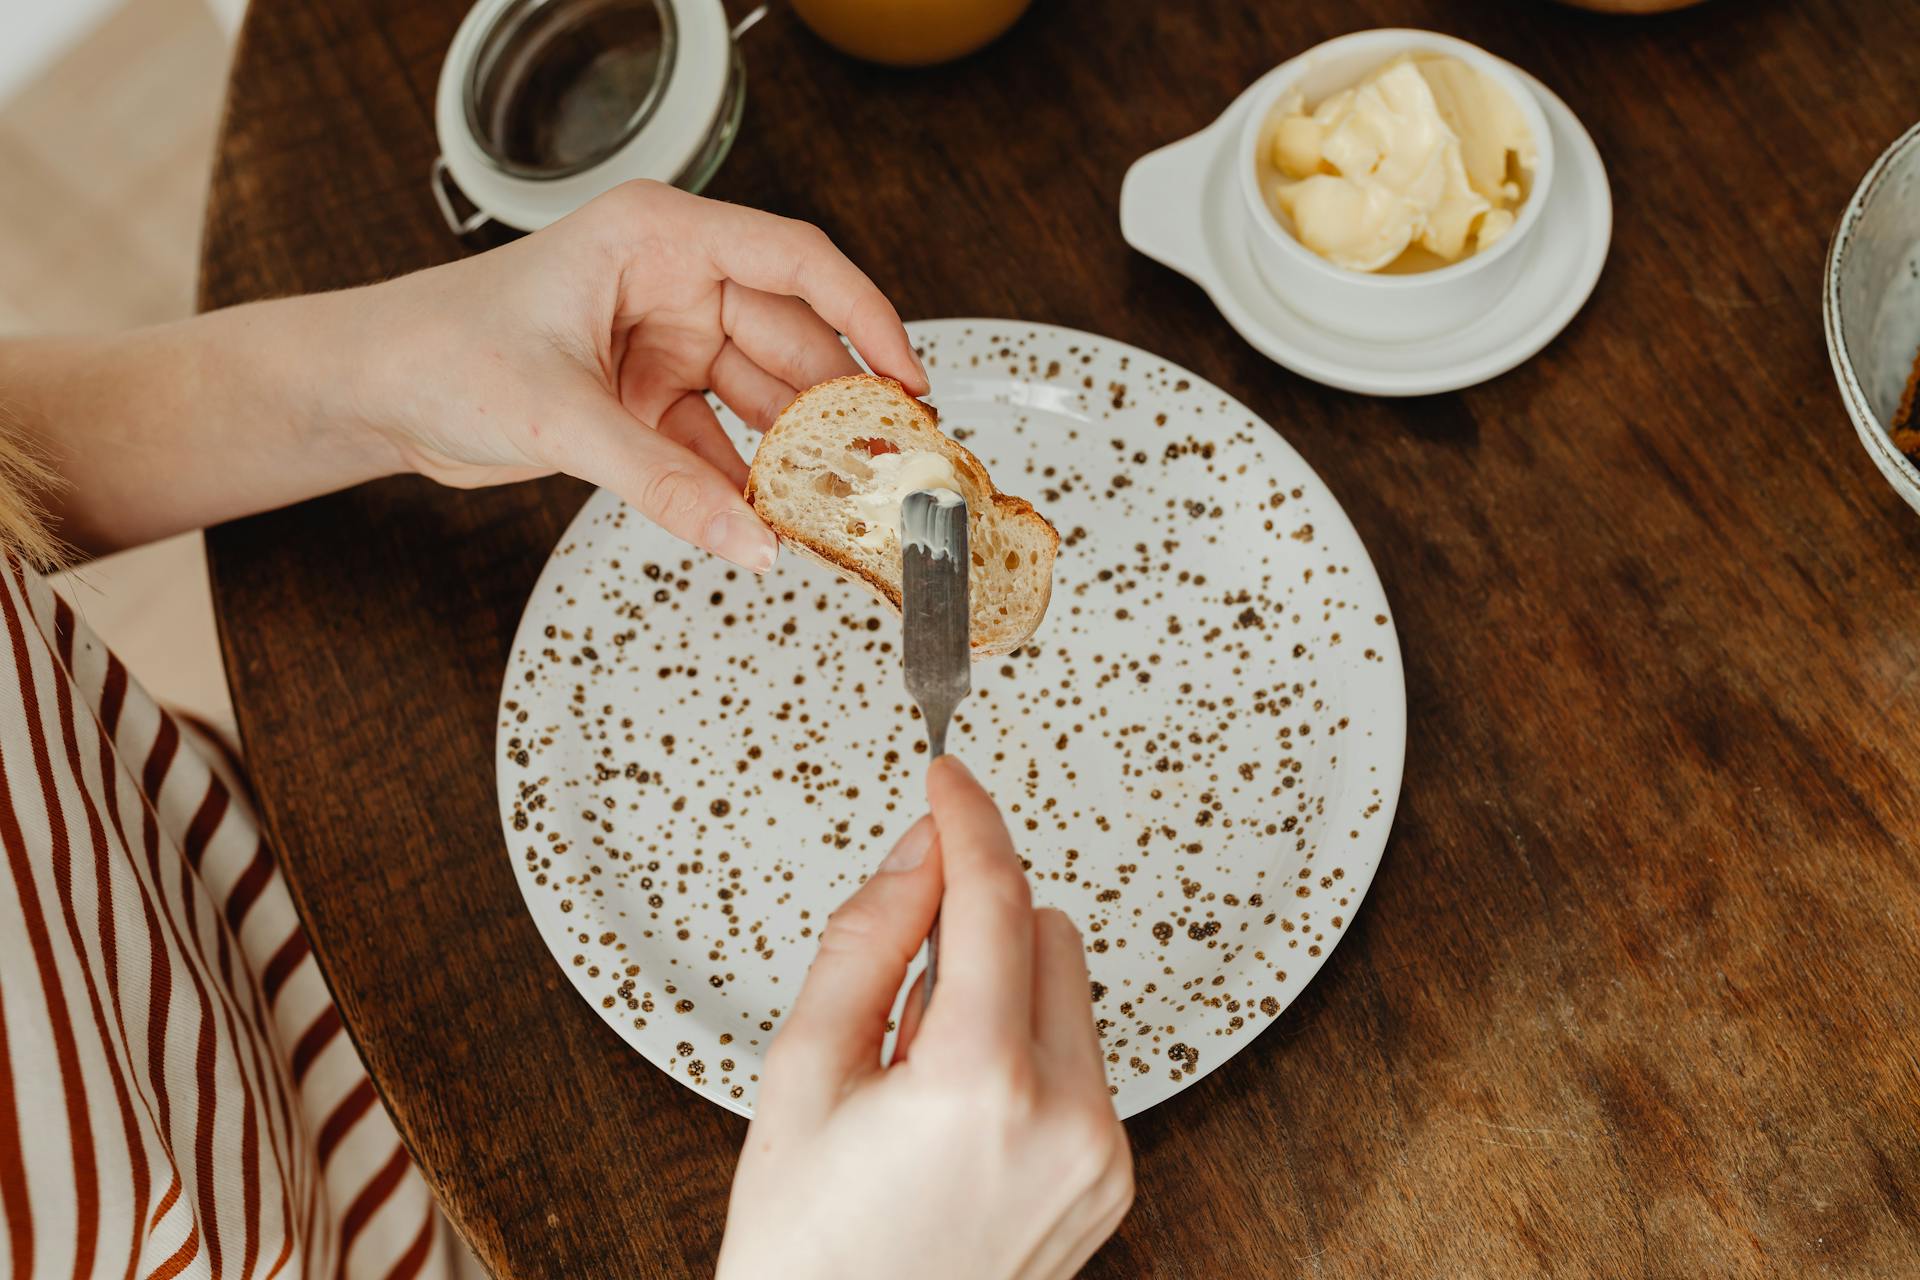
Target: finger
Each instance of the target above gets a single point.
(690, 421)
(834, 1031)
(666, 481)
(1062, 995)
(781, 255)
(750, 391)
(986, 918)
(784, 336)
(912, 1012)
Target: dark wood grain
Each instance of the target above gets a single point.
(1635, 990)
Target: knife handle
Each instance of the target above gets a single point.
(933, 962)
(936, 747)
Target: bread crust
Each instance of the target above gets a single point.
(1008, 507)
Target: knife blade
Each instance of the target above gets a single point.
(935, 645)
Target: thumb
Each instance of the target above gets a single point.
(667, 482)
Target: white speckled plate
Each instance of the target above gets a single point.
(1199, 753)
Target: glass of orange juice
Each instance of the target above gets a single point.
(909, 33)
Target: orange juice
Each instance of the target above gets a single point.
(909, 33)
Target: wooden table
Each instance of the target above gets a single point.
(1635, 991)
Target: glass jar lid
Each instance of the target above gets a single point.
(560, 85)
(544, 104)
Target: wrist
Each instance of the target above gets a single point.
(358, 381)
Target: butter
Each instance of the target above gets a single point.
(895, 475)
(1426, 153)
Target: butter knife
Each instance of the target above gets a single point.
(934, 613)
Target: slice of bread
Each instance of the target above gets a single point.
(828, 478)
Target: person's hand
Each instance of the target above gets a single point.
(586, 348)
(988, 1148)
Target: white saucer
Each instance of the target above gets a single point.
(1181, 206)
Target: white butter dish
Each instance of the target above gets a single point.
(1185, 205)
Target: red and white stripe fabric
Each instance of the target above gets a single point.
(177, 1097)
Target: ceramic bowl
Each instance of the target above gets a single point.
(1871, 304)
(1385, 308)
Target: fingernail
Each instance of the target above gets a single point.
(918, 364)
(735, 536)
(912, 849)
(952, 763)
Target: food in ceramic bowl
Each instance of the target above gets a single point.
(1424, 161)
(1871, 305)
(1393, 180)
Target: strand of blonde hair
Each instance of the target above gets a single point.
(25, 477)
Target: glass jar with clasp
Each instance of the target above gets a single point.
(544, 104)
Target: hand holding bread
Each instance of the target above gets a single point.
(589, 348)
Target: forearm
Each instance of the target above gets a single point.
(587, 348)
(188, 424)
